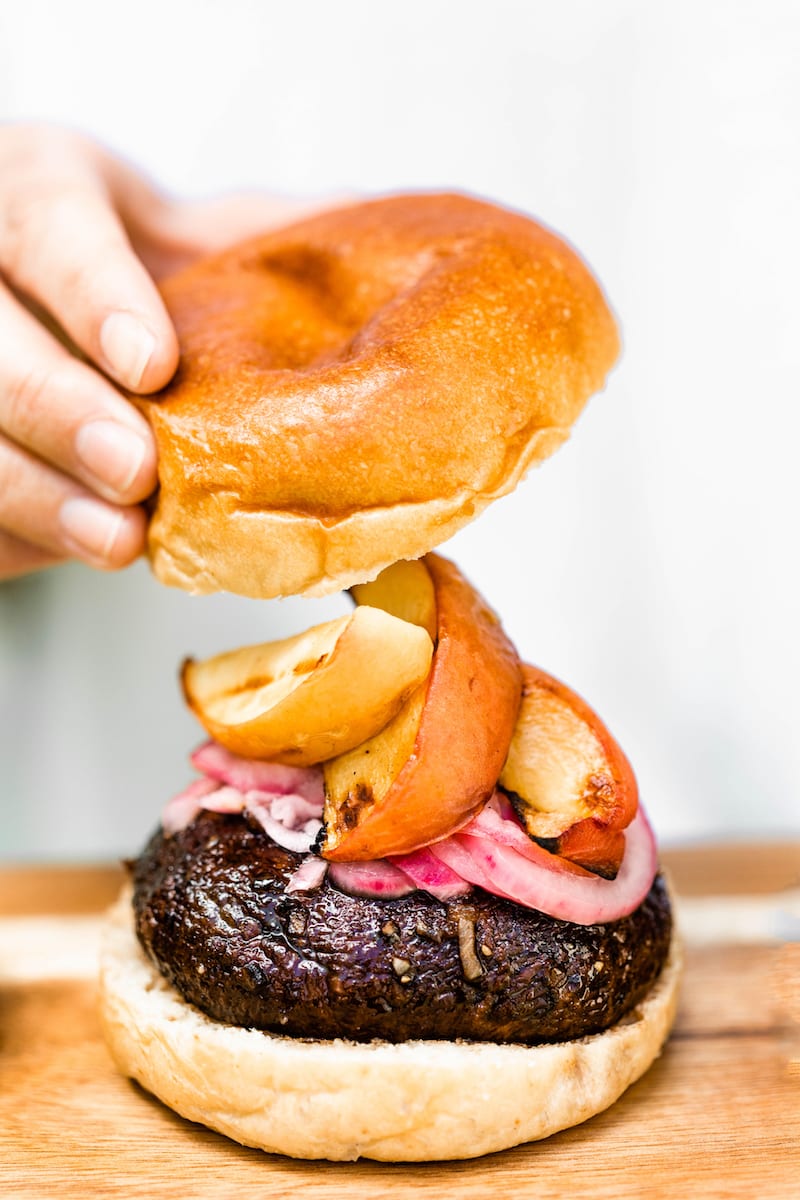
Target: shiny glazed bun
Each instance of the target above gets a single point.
(415, 1101)
(356, 387)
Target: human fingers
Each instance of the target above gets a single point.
(63, 243)
(19, 558)
(42, 507)
(68, 415)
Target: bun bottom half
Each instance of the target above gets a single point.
(411, 1102)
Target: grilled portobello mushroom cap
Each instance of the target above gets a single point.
(212, 913)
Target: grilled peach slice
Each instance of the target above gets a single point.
(405, 590)
(313, 696)
(570, 783)
(434, 765)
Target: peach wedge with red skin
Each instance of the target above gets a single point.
(312, 696)
(567, 778)
(433, 767)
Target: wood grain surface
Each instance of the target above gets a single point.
(718, 1115)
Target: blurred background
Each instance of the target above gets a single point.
(652, 564)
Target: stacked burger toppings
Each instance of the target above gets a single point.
(483, 807)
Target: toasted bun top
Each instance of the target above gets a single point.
(356, 387)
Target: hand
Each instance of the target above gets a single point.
(82, 237)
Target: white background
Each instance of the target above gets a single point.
(653, 563)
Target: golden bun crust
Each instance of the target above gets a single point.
(356, 387)
(413, 1102)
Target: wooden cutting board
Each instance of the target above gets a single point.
(718, 1115)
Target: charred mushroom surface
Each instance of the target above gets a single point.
(212, 913)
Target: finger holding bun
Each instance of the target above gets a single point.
(355, 388)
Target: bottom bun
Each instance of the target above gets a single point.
(411, 1102)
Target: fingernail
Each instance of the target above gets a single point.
(128, 346)
(90, 528)
(111, 452)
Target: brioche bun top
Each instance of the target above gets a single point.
(356, 387)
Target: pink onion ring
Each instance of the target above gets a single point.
(181, 810)
(309, 875)
(292, 810)
(582, 899)
(498, 823)
(378, 879)
(297, 840)
(430, 874)
(248, 774)
(224, 799)
(461, 862)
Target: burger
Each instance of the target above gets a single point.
(410, 909)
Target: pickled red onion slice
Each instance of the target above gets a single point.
(299, 841)
(309, 875)
(223, 800)
(498, 823)
(181, 810)
(536, 879)
(248, 774)
(461, 862)
(286, 801)
(431, 874)
(378, 878)
(292, 810)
